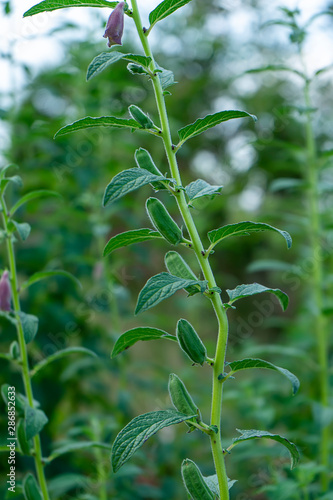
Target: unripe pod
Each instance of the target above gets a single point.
(163, 221)
(177, 266)
(194, 481)
(145, 161)
(139, 116)
(190, 342)
(181, 398)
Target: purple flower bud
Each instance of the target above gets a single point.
(115, 25)
(5, 292)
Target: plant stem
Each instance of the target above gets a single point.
(23, 348)
(320, 326)
(216, 409)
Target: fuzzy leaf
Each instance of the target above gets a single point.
(166, 77)
(213, 484)
(23, 229)
(34, 421)
(244, 364)
(141, 428)
(81, 445)
(31, 489)
(127, 181)
(162, 286)
(101, 121)
(277, 67)
(40, 193)
(48, 5)
(242, 291)
(105, 59)
(209, 121)
(29, 325)
(144, 333)
(129, 238)
(48, 274)
(254, 434)
(61, 354)
(200, 188)
(244, 229)
(164, 9)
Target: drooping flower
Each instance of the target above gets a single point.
(115, 25)
(5, 292)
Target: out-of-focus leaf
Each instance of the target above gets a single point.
(61, 354)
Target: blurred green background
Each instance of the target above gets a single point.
(209, 50)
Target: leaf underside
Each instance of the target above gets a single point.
(247, 363)
(105, 59)
(244, 229)
(242, 291)
(255, 434)
(164, 9)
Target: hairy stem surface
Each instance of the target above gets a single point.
(216, 441)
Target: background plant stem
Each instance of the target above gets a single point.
(216, 409)
(320, 324)
(23, 348)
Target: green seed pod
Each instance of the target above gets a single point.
(194, 481)
(138, 115)
(163, 221)
(190, 342)
(177, 266)
(181, 398)
(21, 438)
(144, 160)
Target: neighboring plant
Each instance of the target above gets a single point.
(26, 419)
(313, 182)
(179, 275)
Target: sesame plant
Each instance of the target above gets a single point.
(177, 274)
(311, 182)
(26, 419)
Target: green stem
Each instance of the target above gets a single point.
(23, 348)
(320, 327)
(216, 409)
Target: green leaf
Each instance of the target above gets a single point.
(244, 364)
(61, 354)
(141, 428)
(162, 286)
(254, 434)
(40, 193)
(34, 421)
(129, 238)
(286, 183)
(177, 266)
(102, 121)
(144, 333)
(166, 77)
(81, 445)
(213, 484)
(23, 229)
(248, 290)
(105, 59)
(48, 274)
(31, 490)
(29, 326)
(277, 67)
(164, 9)
(24, 444)
(209, 121)
(127, 181)
(48, 5)
(199, 188)
(244, 229)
